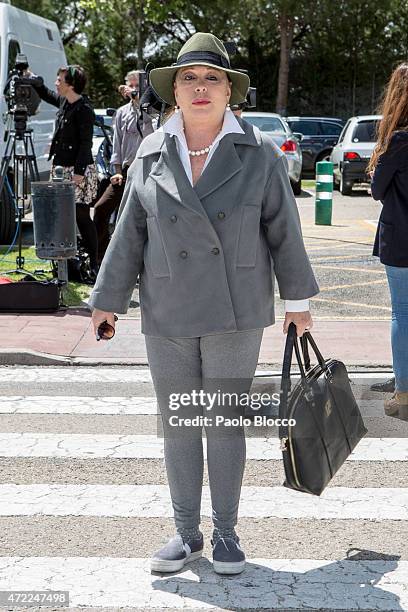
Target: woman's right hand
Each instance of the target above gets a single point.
(100, 316)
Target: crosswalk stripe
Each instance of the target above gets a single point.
(45, 404)
(130, 374)
(154, 501)
(118, 405)
(279, 584)
(91, 446)
(73, 374)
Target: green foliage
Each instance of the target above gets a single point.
(341, 56)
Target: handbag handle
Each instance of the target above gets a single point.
(304, 340)
(292, 342)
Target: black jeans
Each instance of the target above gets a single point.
(104, 207)
(88, 232)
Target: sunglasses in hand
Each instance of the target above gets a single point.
(105, 331)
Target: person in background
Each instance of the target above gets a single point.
(71, 147)
(388, 167)
(130, 127)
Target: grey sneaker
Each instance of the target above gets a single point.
(228, 556)
(176, 553)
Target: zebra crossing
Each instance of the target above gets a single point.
(84, 502)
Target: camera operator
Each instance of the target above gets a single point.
(71, 147)
(131, 126)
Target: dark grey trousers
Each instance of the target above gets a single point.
(217, 363)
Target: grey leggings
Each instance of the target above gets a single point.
(219, 362)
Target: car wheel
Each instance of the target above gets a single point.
(336, 184)
(345, 186)
(296, 187)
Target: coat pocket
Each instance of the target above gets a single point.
(248, 237)
(156, 255)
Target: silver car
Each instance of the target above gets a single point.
(280, 132)
(351, 154)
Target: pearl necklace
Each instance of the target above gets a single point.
(201, 151)
(206, 149)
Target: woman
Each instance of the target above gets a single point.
(208, 202)
(71, 148)
(389, 170)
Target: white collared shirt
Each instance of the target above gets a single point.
(175, 127)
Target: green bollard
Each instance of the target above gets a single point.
(324, 193)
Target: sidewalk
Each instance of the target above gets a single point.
(67, 338)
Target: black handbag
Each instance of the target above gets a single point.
(327, 421)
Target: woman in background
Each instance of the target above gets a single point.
(389, 171)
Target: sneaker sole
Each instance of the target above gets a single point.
(225, 567)
(168, 565)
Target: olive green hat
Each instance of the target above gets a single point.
(202, 49)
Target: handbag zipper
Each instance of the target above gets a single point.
(289, 440)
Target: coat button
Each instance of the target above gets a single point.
(183, 254)
(215, 251)
(221, 215)
(173, 218)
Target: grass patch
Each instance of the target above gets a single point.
(309, 183)
(73, 296)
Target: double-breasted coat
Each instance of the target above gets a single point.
(206, 255)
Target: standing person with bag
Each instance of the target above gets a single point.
(71, 147)
(207, 219)
(389, 170)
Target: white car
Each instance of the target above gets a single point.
(352, 153)
(277, 128)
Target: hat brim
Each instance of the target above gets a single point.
(161, 79)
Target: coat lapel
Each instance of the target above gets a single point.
(169, 174)
(223, 165)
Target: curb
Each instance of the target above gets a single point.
(19, 357)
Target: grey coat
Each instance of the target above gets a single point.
(207, 254)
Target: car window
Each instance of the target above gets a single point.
(265, 124)
(330, 129)
(365, 131)
(344, 131)
(307, 128)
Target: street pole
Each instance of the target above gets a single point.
(324, 193)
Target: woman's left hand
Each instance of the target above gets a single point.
(302, 320)
(77, 179)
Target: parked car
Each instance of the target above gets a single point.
(280, 132)
(103, 126)
(102, 146)
(320, 134)
(351, 154)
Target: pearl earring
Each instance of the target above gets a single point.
(176, 109)
(228, 107)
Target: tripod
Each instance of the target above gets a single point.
(20, 151)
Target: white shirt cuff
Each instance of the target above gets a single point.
(296, 305)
